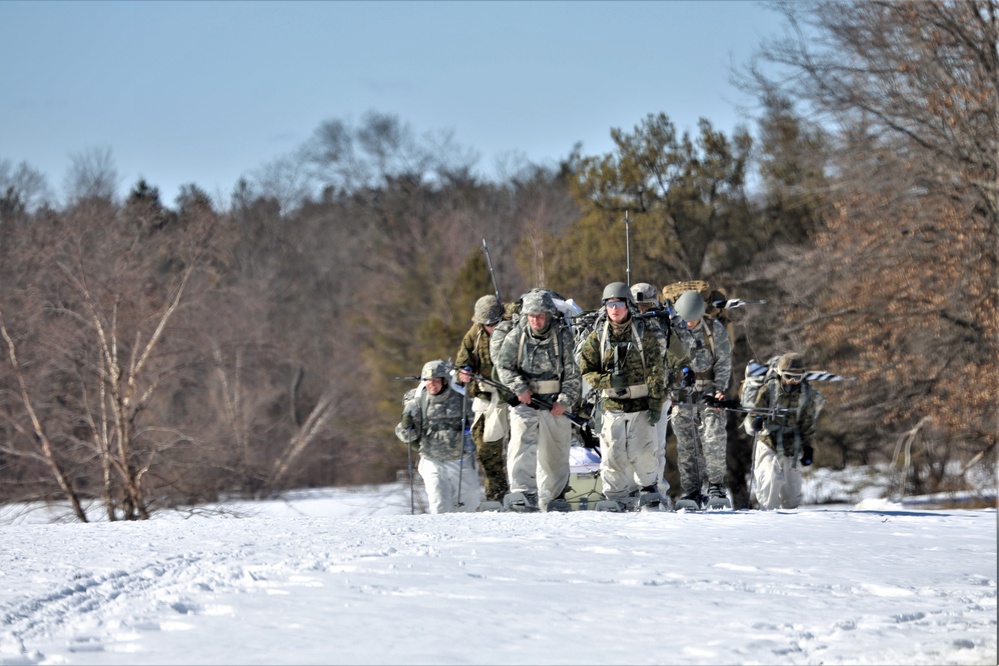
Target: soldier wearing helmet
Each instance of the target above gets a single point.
(535, 361)
(704, 368)
(657, 319)
(621, 359)
(490, 429)
(785, 432)
(431, 425)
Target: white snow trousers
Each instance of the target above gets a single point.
(627, 453)
(442, 479)
(778, 480)
(537, 459)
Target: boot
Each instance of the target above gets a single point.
(649, 499)
(717, 497)
(693, 501)
(521, 502)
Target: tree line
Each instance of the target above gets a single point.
(157, 355)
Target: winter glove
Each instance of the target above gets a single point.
(654, 416)
(407, 421)
(757, 423)
(806, 455)
(618, 381)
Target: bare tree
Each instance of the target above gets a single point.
(92, 175)
(22, 190)
(38, 432)
(906, 243)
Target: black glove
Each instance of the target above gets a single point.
(407, 421)
(757, 423)
(687, 377)
(806, 455)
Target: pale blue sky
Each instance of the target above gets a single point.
(205, 92)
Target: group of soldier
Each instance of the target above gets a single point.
(527, 373)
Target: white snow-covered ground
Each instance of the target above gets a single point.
(350, 577)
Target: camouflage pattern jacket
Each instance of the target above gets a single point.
(707, 350)
(474, 353)
(542, 363)
(436, 424)
(631, 350)
(792, 425)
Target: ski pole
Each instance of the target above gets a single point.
(409, 456)
(752, 467)
(694, 412)
(461, 460)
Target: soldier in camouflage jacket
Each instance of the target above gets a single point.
(536, 363)
(705, 351)
(784, 433)
(431, 425)
(490, 408)
(622, 360)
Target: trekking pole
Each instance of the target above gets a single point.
(409, 455)
(752, 467)
(461, 460)
(409, 447)
(694, 411)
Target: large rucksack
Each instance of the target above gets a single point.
(757, 374)
(711, 296)
(562, 311)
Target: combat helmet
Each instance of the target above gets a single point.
(488, 311)
(535, 303)
(435, 368)
(690, 306)
(616, 290)
(644, 293)
(791, 367)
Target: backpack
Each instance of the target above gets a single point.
(562, 311)
(756, 376)
(671, 292)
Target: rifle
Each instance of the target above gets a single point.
(734, 303)
(657, 313)
(627, 244)
(492, 273)
(733, 405)
(513, 401)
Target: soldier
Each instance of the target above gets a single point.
(432, 425)
(622, 360)
(490, 408)
(657, 319)
(784, 433)
(700, 431)
(535, 362)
